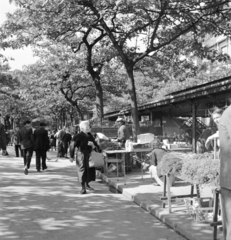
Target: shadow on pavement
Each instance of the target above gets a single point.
(48, 205)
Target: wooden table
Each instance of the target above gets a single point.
(167, 193)
(123, 152)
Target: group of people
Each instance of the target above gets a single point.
(64, 138)
(28, 140)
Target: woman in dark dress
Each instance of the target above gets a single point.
(85, 142)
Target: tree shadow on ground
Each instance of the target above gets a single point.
(48, 205)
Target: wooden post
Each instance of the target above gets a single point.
(150, 117)
(198, 191)
(192, 190)
(194, 110)
(169, 194)
(215, 148)
(165, 183)
(215, 212)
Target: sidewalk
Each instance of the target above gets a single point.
(147, 195)
(47, 205)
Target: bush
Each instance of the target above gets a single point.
(199, 169)
(171, 163)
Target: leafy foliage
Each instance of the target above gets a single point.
(137, 30)
(171, 163)
(200, 169)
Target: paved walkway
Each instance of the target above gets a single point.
(47, 205)
(147, 195)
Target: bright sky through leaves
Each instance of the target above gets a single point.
(21, 56)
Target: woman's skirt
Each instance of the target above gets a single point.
(85, 173)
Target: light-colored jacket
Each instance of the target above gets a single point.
(123, 134)
(225, 148)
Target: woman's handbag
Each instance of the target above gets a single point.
(96, 160)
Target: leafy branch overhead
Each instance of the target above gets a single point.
(135, 34)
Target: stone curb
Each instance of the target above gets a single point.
(155, 209)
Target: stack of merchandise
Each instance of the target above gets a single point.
(108, 145)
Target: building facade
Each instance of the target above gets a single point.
(220, 43)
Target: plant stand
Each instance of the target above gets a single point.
(166, 198)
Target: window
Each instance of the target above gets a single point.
(224, 50)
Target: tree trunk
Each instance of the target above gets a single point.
(133, 100)
(72, 116)
(64, 118)
(78, 111)
(99, 100)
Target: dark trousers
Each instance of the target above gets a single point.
(27, 155)
(61, 149)
(65, 148)
(41, 154)
(18, 149)
(226, 212)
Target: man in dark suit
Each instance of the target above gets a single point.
(3, 140)
(27, 144)
(41, 145)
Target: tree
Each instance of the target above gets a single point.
(136, 29)
(66, 71)
(58, 25)
(156, 24)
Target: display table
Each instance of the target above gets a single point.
(121, 156)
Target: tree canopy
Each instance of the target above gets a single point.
(130, 31)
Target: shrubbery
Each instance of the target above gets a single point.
(199, 169)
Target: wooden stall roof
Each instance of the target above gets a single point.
(179, 103)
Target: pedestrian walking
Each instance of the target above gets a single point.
(16, 142)
(85, 143)
(26, 139)
(61, 145)
(53, 141)
(41, 146)
(3, 140)
(66, 141)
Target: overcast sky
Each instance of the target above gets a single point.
(21, 56)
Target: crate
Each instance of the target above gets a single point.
(201, 209)
(114, 167)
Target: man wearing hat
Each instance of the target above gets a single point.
(123, 132)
